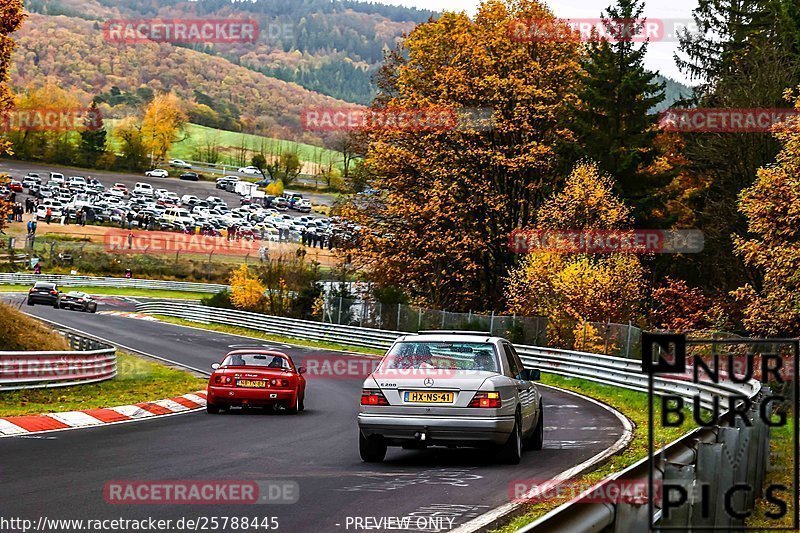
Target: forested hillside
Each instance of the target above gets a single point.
(333, 48)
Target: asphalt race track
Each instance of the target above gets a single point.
(63, 474)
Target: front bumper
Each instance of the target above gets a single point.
(438, 430)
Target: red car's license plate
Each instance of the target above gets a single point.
(251, 383)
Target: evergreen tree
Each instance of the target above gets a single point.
(93, 136)
(745, 55)
(614, 123)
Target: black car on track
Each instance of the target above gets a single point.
(78, 300)
(44, 292)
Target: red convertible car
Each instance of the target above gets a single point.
(257, 378)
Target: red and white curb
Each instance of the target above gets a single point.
(129, 314)
(22, 425)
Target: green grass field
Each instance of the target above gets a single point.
(113, 291)
(138, 380)
(230, 142)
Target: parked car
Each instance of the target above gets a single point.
(280, 203)
(304, 206)
(56, 209)
(250, 170)
(451, 389)
(222, 182)
(190, 176)
(262, 378)
(179, 163)
(15, 186)
(178, 216)
(78, 300)
(143, 188)
(44, 292)
(157, 173)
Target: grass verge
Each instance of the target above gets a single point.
(631, 404)
(114, 291)
(779, 472)
(19, 332)
(245, 332)
(137, 380)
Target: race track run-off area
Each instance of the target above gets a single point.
(62, 475)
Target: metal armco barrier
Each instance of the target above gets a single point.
(716, 457)
(287, 327)
(703, 455)
(90, 362)
(615, 371)
(21, 278)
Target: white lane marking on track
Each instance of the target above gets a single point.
(132, 411)
(564, 406)
(7, 428)
(171, 405)
(75, 418)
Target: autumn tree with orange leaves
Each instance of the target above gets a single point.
(11, 17)
(448, 198)
(571, 288)
(772, 207)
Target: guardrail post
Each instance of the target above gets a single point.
(628, 342)
(630, 517)
(678, 475)
(764, 451)
(709, 469)
(729, 437)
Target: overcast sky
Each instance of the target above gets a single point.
(659, 54)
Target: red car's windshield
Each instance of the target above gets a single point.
(257, 359)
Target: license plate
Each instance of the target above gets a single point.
(429, 397)
(249, 383)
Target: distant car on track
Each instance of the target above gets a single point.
(179, 163)
(451, 389)
(259, 378)
(157, 173)
(44, 292)
(78, 300)
(250, 170)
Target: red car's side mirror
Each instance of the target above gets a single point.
(301, 370)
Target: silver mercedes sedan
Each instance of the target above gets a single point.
(447, 388)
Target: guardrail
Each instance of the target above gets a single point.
(609, 370)
(696, 456)
(22, 278)
(89, 362)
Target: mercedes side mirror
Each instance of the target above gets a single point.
(301, 370)
(215, 366)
